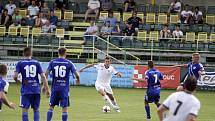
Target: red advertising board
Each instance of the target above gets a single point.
(171, 76)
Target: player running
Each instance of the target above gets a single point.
(105, 72)
(153, 77)
(30, 70)
(4, 87)
(60, 69)
(182, 106)
(195, 68)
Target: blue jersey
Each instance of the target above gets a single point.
(2, 84)
(60, 69)
(30, 70)
(153, 78)
(194, 68)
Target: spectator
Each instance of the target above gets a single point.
(186, 15)
(45, 9)
(165, 32)
(107, 5)
(53, 19)
(25, 3)
(47, 28)
(91, 30)
(198, 16)
(1, 7)
(40, 20)
(93, 7)
(23, 22)
(33, 10)
(10, 7)
(129, 5)
(16, 18)
(106, 30)
(111, 19)
(175, 7)
(6, 19)
(116, 30)
(177, 33)
(129, 31)
(39, 3)
(60, 4)
(135, 21)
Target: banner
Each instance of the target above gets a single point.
(207, 80)
(171, 76)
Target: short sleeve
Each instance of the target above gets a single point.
(73, 68)
(96, 66)
(195, 109)
(18, 67)
(114, 71)
(40, 70)
(167, 102)
(29, 8)
(49, 66)
(181, 33)
(146, 75)
(160, 76)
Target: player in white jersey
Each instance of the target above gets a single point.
(105, 72)
(182, 106)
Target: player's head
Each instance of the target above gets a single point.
(190, 84)
(27, 52)
(195, 57)
(62, 52)
(150, 64)
(3, 70)
(107, 60)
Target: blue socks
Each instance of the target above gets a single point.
(49, 115)
(36, 115)
(147, 108)
(24, 116)
(64, 116)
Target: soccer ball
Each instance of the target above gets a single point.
(106, 109)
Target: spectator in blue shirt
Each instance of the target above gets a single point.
(53, 18)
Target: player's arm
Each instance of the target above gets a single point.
(77, 76)
(86, 67)
(161, 111)
(137, 79)
(15, 77)
(182, 65)
(45, 84)
(4, 99)
(191, 117)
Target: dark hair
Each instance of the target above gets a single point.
(197, 7)
(62, 51)
(107, 58)
(150, 64)
(177, 25)
(27, 51)
(190, 83)
(3, 69)
(165, 25)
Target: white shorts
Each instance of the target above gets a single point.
(104, 87)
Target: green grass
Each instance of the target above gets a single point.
(86, 105)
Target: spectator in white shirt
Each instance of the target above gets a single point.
(175, 7)
(46, 28)
(186, 15)
(177, 33)
(91, 30)
(198, 16)
(33, 10)
(10, 7)
(93, 7)
(165, 32)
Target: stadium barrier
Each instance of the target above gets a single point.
(88, 77)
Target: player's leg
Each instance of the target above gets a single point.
(25, 104)
(35, 104)
(54, 100)
(102, 92)
(147, 107)
(0, 106)
(113, 100)
(64, 103)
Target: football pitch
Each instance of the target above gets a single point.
(86, 105)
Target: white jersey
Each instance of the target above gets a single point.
(180, 105)
(104, 75)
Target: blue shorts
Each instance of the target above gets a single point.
(152, 96)
(59, 98)
(32, 100)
